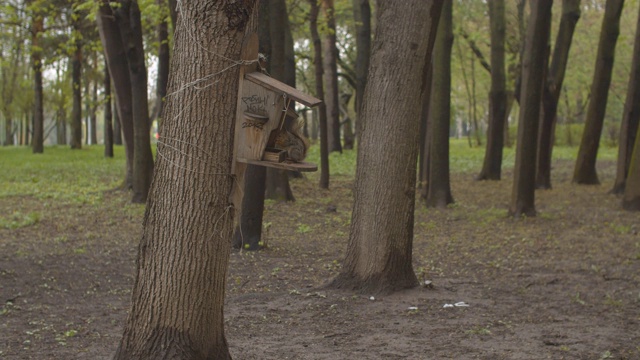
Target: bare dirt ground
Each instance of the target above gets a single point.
(563, 285)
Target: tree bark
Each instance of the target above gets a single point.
(117, 128)
(108, 114)
(128, 19)
(492, 165)
(630, 119)
(322, 109)
(631, 197)
(551, 91)
(523, 196)
(425, 130)
(76, 80)
(162, 79)
(330, 66)
(37, 142)
(362, 17)
(585, 171)
(379, 249)
(119, 70)
(439, 194)
(178, 295)
(93, 116)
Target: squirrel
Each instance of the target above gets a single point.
(291, 140)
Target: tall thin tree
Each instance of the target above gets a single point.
(585, 170)
(330, 64)
(523, 195)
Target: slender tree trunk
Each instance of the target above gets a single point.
(37, 143)
(551, 91)
(108, 114)
(439, 194)
(277, 185)
(322, 109)
(93, 114)
(425, 130)
(380, 243)
(631, 197)
(117, 128)
(119, 70)
(492, 166)
(248, 231)
(630, 119)
(163, 65)
(76, 80)
(523, 196)
(585, 171)
(362, 17)
(330, 65)
(128, 17)
(178, 295)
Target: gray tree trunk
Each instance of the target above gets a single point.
(523, 196)
(585, 171)
(379, 249)
(178, 295)
(330, 66)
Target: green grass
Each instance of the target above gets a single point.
(60, 173)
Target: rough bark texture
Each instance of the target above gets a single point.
(439, 194)
(379, 249)
(37, 142)
(330, 64)
(523, 196)
(630, 119)
(631, 197)
(178, 295)
(128, 19)
(108, 114)
(119, 70)
(551, 91)
(585, 171)
(322, 109)
(492, 165)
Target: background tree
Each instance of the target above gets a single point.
(631, 197)
(184, 250)
(108, 114)
(319, 90)
(551, 90)
(439, 194)
(329, 59)
(37, 30)
(362, 17)
(378, 255)
(523, 196)
(630, 118)
(76, 80)
(585, 170)
(492, 166)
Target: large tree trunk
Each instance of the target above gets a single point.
(178, 295)
(330, 66)
(630, 119)
(362, 17)
(322, 109)
(492, 166)
(523, 196)
(37, 142)
(128, 18)
(551, 91)
(439, 194)
(108, 114)
(631, 197)
(119, 69)
(585, 171)
(379, 250)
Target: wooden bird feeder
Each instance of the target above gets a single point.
(264, 105)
